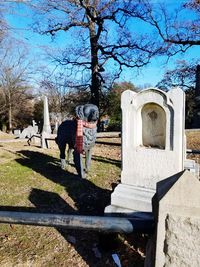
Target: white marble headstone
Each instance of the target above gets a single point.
(153, 145)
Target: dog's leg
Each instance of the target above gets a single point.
(69, 154)
(79, 164)
(62, 148)
(88, 157)
(63, 164)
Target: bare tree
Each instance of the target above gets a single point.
(3, 23)
(178, 28)
(183, 75)
(53, 88)
(14, 86)
(99, 36)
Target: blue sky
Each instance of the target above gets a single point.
(151, 74)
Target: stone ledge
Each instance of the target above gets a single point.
(131, 198)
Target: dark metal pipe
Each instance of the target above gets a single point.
(96, 223)
(193, 151)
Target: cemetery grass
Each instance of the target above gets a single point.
(31, 180)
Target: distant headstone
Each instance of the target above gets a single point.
(35, 125)
(46, 130)
(55, 130)
(17, 132)
(153, 146)
(177, 209)
(46, 121)
(29, 131)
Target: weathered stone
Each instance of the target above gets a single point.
(177, 208)
(182, 241)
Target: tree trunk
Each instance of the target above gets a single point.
(95, 81)
(197, 88)
(9, 113)
(95, 88)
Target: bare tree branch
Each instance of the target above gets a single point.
(91, 23)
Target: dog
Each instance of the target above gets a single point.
(80, 135)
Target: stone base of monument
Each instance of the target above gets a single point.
(116, 211)
(36, 139)
(132, 200)
(44, 141)
(129, 199)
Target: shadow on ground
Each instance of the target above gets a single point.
(89, 200)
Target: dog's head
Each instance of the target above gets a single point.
(87, 112)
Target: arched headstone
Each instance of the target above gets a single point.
(153, 145)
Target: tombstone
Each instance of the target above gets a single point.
(55, 130)
(29, 131)
(35, 126)
(17, 132)
(177, 210)
(46, 121)
(56, 119)
(192, 166)
(153, 146)
(46, 130)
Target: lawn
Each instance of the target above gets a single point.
(31, 180)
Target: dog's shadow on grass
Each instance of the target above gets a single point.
(87, 197)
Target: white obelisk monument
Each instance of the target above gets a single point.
(46, 130)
